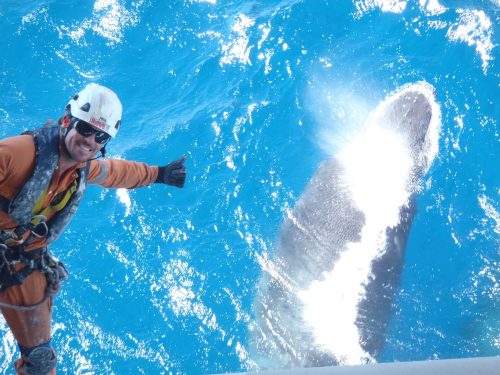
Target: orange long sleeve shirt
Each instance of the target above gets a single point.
(17, 162)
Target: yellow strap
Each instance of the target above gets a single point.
(65, 199)
(38, 205)
(38, 212)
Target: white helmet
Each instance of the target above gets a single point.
(99, 106)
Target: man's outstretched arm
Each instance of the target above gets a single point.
(115, 173)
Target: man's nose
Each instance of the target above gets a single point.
(91, 139)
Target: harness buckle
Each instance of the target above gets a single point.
(40, 229)
(12, 236)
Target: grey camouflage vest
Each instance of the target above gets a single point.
(46, 159)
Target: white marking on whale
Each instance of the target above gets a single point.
(325, 295)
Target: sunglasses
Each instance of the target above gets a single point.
(86, 130)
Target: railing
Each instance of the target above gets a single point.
(465, 366)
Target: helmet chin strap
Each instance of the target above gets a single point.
(103, 154)
(66, 131)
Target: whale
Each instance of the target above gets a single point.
(326, 290)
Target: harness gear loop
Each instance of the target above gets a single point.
(38, 226)
(39, 259)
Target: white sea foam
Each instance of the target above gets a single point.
(124, 197)
(110, 19)
(8, 348)
(179, 290)
(474, 28)
(392, 6)
(236, 49)
(490, 211)
(432, 7)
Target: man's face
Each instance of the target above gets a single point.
(81, 148)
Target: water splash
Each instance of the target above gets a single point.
(474, 28)
(378, 165)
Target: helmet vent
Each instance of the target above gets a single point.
(85, 107)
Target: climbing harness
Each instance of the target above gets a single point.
(34, 260)
(13, 252)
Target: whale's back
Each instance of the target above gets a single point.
(325, 295)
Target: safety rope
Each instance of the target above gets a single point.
(24, 308)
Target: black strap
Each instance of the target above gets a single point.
(32, 260)
(4, 203)
(15, 278)
(54, 271)
(18, 231)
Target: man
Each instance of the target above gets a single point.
(43, 175)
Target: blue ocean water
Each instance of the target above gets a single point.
(162, 280)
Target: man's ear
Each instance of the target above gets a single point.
(65, 121)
